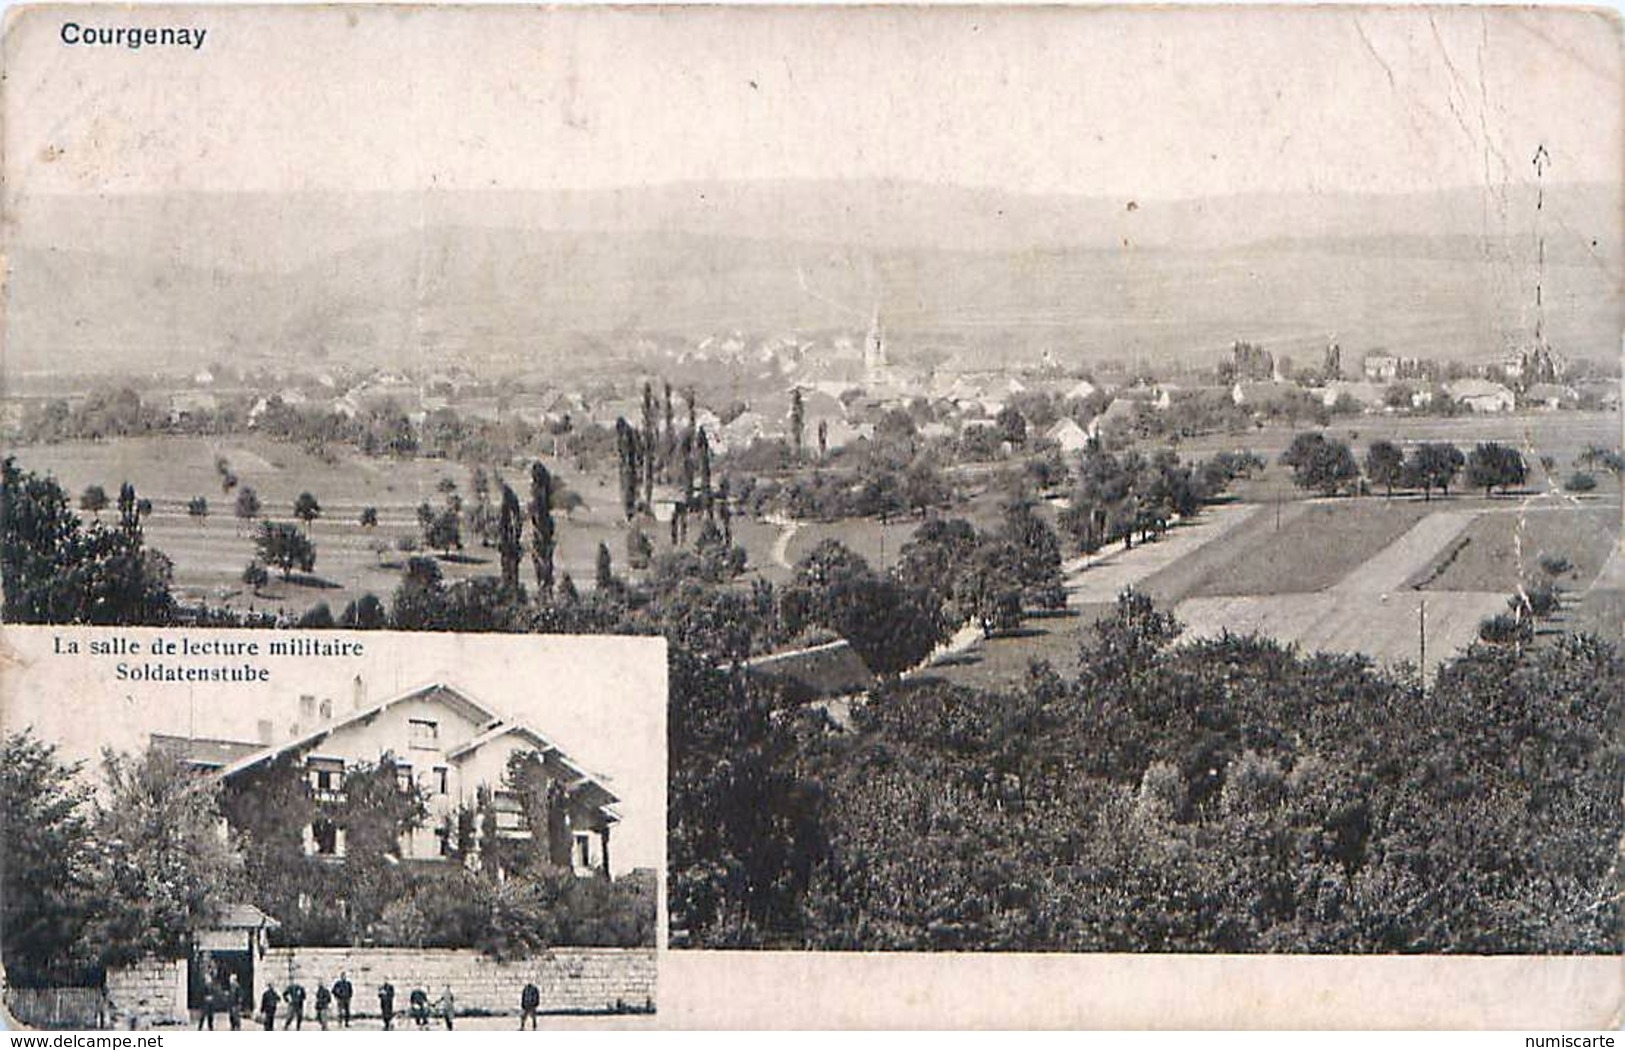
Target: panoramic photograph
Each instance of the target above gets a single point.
(1107, 480)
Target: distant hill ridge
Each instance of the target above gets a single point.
(191, 276)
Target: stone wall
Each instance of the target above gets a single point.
(149, 992)
(572, 980)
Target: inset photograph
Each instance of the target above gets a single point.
(371, 830)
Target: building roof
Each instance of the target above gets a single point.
(202, 751)
(455, 698)
(592, 792)
(818, 672)
(237, 916)
(1461, 389)
(1265, 392)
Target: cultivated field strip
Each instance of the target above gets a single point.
(1384, 627)
(1370, 610)
(1103, 577)
(1391, 567)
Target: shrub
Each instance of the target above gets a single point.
(1580, 481)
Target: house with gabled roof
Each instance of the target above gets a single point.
(828, 671)
(454, 748)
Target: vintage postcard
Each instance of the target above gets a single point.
(1124, 504)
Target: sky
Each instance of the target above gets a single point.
(1142, 103)
(601, 699)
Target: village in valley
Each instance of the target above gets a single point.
(803, 438)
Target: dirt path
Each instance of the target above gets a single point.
(788, 527)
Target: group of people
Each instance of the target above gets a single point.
(291, 1002)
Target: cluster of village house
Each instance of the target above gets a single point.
(844, 385)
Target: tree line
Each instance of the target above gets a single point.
(1231, 795)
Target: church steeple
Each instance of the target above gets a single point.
(874, 350)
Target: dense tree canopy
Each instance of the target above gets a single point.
(48, 867)
(53, 569)
(1226, 795)
(1323, 464)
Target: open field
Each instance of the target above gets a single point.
(1101, 578)
(1499, 548)
(1383, 626)
(210, 554)
(1345, 575)
(879, 543)
(1315, 545)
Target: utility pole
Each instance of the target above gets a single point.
(1422, 643)
(1542, 161)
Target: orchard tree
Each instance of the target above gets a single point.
(1492, 465)
(442, 529)
(306, 509)
(1434, 465)
(1320, 463)
(94, 499)
(1038, 556)
(283, 545)
(255, 576)
(198, 507)
(368, 518)
(1385, 465)
(247, 507)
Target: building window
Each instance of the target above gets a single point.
(325, 835)
(307, 706)
(509, 812)
(425, 734)
(403, 777)
(326, 778)
(583, 851)
(444, 835)
(440, 784)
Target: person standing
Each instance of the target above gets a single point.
(294, 995)
(386, 1004)
(268, 1004)
(324, 1000)
(234, 1002)
(447, 1007)
(342, 991)
(530, 1000)
(206, 1015)
(419, 1003)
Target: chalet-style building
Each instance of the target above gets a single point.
(447, 743)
